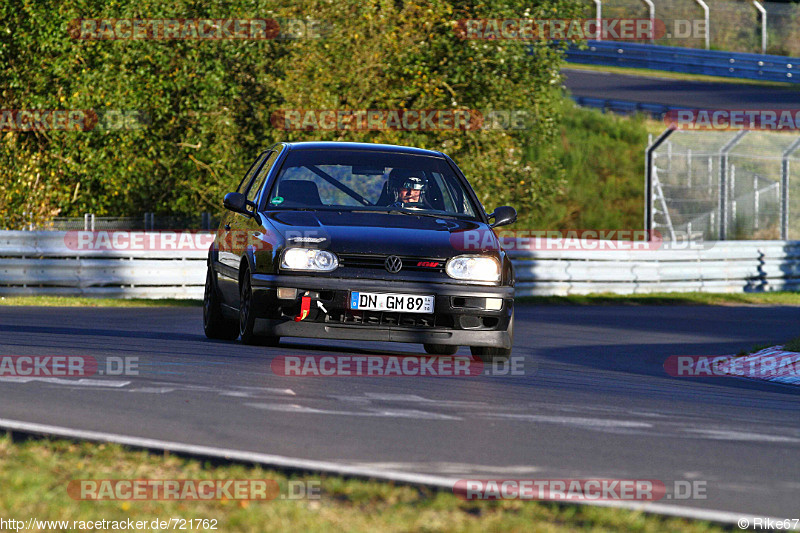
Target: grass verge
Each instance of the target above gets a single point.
(793, 345)
(602, 155)
(34, 475)
(669, 298)
(79, 301)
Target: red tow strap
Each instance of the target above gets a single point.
(305, 306)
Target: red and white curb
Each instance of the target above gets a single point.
(771, 364)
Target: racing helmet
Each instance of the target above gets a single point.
(401, 178)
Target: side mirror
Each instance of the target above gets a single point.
(503, 215)
(238, 203)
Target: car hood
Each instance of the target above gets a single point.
(383, 233)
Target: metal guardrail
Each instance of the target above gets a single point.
(722, 266)
(688, 60)
(147, 222)
(40, 263)
(625, 107)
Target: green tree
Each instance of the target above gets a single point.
(208, 103)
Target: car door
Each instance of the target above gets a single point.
(228, 260)
(244, 229)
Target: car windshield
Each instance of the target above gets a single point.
(368, 180)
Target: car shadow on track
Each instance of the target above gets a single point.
(351, 349)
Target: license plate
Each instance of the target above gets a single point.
(405, 303)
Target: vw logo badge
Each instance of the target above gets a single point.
(393, 264)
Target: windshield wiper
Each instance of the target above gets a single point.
(377, 209)
(406, 211)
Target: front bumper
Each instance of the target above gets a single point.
(460, 316)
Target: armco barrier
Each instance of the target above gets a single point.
(688, 60)
(722, 266)
(624, 107)
(39, 263)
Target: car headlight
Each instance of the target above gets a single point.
(474, 268)
(309, 259)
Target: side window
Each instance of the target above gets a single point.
(326, 193)
(453, 196)
(249, 176)
(261, 176)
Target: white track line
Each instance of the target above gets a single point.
(441, 482)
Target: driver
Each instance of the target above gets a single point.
(407, 188)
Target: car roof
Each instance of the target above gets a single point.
(373, 147)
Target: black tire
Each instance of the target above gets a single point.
(247, 317)
(215, 325)
(491, 354)
(440, 349)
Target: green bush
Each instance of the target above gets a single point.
(602, 155)
(209, 103)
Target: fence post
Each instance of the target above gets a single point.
(88, 222)
(755, 201)
(652, 20)
(733, 196)
(706, 17)
(669, 158)
(689, 167)
(599, 17)
(723, 182)
(785, 189)
(763, 12)
(648, 178)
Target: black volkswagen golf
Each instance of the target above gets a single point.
(366, 242)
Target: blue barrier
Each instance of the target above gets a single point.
(624, 107)
(688, 60)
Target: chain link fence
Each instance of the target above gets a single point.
(725, 185)
(734, 25)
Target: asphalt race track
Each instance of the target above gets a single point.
(674, 92)
(594, 402)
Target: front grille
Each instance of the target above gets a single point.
(384, 318)
(414, 264)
